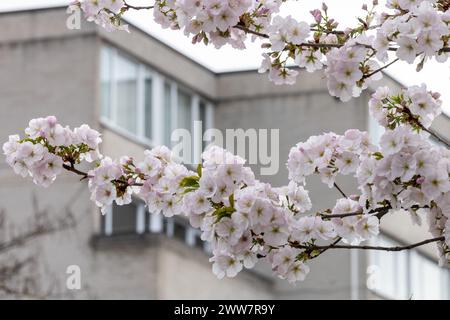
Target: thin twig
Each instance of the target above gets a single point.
(398, 248)
(341, 215)
(72, 168)
(84, 175)
(340, 190)
(329, 247)
(380, 69)
(247, 30)
(436, 136)
(380, 213)
(323, 45)
(130, 6)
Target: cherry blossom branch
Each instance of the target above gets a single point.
(247, 30)
(340, 190)
(72, 168)
(315, 44)
(380, 69)
(380, 213)
(437, 137)
(85, 175)
(340, 215)
(129, 6)
(365, 247)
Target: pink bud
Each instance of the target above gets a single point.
(436, 95)
(262, 12)
(324, 7)
(130, 181)
(354, 197)
(51, 120)
(420, 180)
(317, 15)
(364, 7)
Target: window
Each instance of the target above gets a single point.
(406, 274)
(184, 110)
(140, 102)
(168, 122)
(203, 117)
(134, 218)
(148, 110)
(124, 219)
(106, 83)
(129, 219)
(375, 130)
(126, 77)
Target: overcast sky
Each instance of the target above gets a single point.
(436, 76)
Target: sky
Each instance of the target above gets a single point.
(435, 75)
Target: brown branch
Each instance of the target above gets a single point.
(380, 69)
(129, 6)
(398, 248)
(329, 247)
(72, 168)
(341, 215)
(380, 213)
(247, 30)
(321, 45)
(436, 136)
(340, 190)
(84, 175)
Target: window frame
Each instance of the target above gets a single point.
(156, 224)
(411, 259)
(158, 81)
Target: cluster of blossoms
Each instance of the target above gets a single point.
(410, 174)
(216, 21)
(417, 28)
(158, 180)
(328, 155)
(349, 70)
(47, 147)
(405, 173)
(414, 106)
(414, 29)
(242, 218)
(105, 13)
(348, 55)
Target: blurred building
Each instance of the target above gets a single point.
(135, 90)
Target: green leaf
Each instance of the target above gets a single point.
(314, 253)
(190, 181)
(223, 212)
(199, 170)
(231, 198)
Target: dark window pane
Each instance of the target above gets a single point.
(202, 112)
(179, 230)
(148, 108)
(167, 114)
(126, 75)
(124, 218)
(199, 243)
(184, 110)
(105, 75)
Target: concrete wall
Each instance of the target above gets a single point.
(249, 100)
(47, 69)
